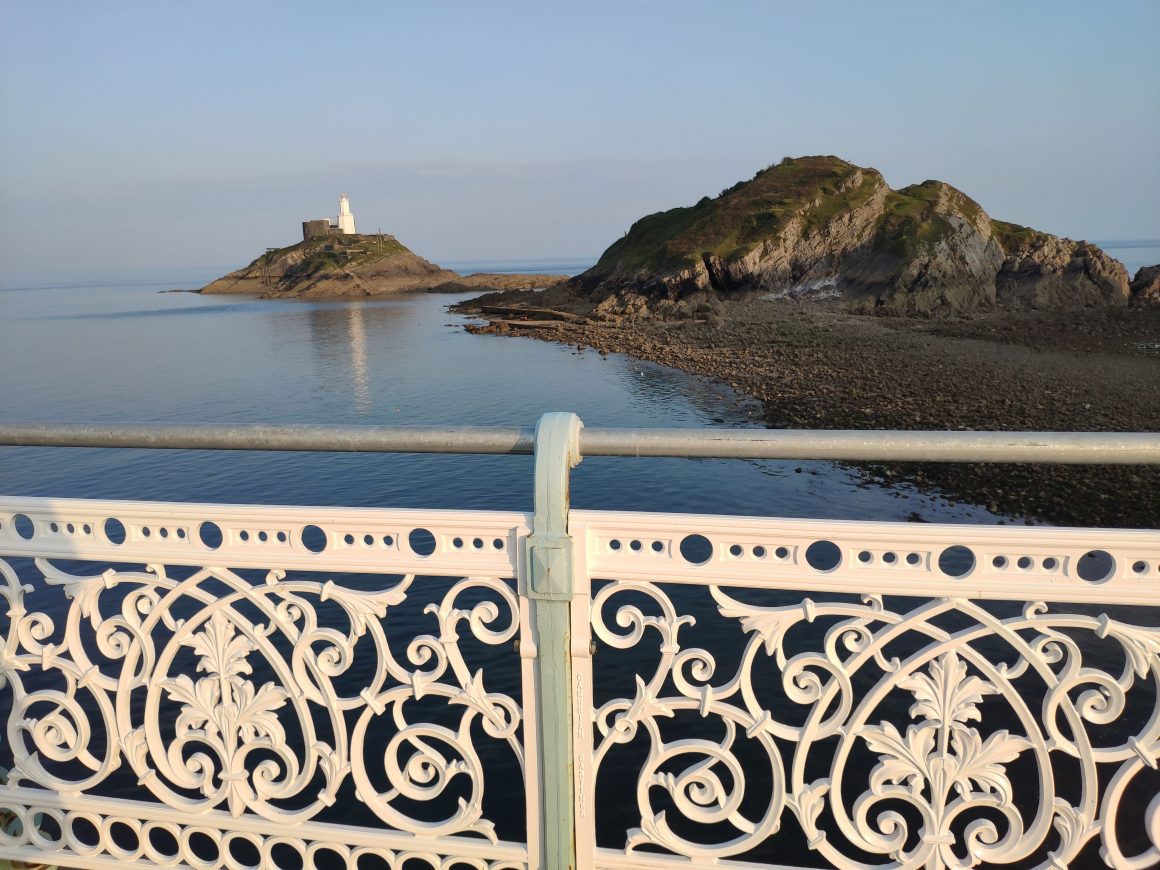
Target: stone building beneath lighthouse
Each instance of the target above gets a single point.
(343, 225)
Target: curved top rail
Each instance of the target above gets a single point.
(1104, 448)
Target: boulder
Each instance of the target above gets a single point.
(1146, 285)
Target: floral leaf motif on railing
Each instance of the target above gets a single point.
(225, 710)
(843, 668)
(942, 753)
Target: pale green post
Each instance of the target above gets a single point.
(550, 586)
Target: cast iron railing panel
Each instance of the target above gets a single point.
(790, 693)
(257, 676)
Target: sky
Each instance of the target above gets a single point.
(177, 134)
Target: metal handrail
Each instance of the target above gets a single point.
(1104, 448)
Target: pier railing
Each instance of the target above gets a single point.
(206, 685)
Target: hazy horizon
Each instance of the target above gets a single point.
(142, 135)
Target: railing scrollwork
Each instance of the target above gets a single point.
(254, 686)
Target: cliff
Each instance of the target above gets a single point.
(354, 265)
(820, 227)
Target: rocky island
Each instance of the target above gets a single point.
(824, 228)
(353, 265)
(974, 324)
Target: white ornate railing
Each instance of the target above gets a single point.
(246, 689)
(227, 686)
(884, 710)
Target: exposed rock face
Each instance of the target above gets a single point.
(819, 227)
(1044, 271)
(1146, 285)
(352, 265)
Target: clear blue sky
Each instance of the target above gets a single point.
(186, 134)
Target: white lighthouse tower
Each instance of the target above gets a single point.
(345, 219)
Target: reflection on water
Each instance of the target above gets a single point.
(338, 341)
(358, 359)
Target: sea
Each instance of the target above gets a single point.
(119, 348)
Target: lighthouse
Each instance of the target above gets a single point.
(345, 220)
(343, 225)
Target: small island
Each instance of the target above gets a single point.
(333, 260)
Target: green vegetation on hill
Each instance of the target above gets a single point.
(329, 252)
(910, 220)
(742, 216)
(1013, 237)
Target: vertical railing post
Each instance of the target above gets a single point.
(551, 587)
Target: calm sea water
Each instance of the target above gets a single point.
(115, 349)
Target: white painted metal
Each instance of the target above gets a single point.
(116, 639)
(1009, 562)
(1044, 689)
(362, 539)
(924, 720)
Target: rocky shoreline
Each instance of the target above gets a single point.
(822, 367)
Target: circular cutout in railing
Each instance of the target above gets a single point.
(49, 828)
(1096, 566)
(284, 853)
(696, 549)
(823, 555)
(201, 846)
(243, 849)
(85, 830)
(1140, 567)
(313, 538)
(162, 845)
(956, 561)
(210, 534)
(114, 531)
(24, 526)
(123, 840)
(422, 542)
